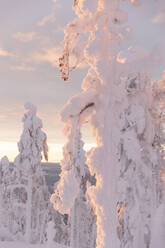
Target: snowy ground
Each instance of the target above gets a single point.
(24, 245)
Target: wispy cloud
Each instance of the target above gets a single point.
(3, 117)
(160, 4)
(5, 53)
(160, 18)
(22, 68)
(46, 19)
(25, 37)
(50, 55)
(51, 18)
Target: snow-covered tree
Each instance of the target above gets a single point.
(5, 198)
(158, 228)
(30, 197)
(58, 231)
(138, 163)
(117, 100)
(5, 171)
(73, 183)
(158, 110)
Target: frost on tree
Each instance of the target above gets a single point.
(29, 194)
(5, 199)
(83, 219)
(117, 97)
(137, 162)
(71, 191)
(158, 112)
(158, 223)
(58, 230)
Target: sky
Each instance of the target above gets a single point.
(31, 34)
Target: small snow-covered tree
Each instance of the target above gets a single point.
(73, 194)
(30, 197)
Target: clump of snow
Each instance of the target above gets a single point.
(78, 103)
(66, 192)
(30, 107)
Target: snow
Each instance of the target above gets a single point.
(68, 189)
(158, 230)
(25, 245)
(18, 245)
(126, 112)
(76, 104)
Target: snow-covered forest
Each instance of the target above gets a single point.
(112, 196)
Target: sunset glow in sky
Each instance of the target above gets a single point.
(31, 33)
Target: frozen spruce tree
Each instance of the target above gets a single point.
(30, 197)
(70, 194)
(117, 101)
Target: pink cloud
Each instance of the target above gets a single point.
(22, 68)
(5, 53)
(47, 19)
(25, 37)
